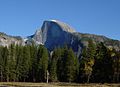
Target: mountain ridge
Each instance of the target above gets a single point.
(54, 33)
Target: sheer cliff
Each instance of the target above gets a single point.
(54, 33)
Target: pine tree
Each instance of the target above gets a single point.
(18, 67)
(25, 62)
(71, 66)
(33, 69)
(103, 65)
(60, 65)
(53, 66)
(53, 70)
(1, 64)
(6, 64)
(115, 65)
(42, 58)
(12, 62)
(87, 61)
(67, 66)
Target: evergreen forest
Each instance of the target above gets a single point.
(30, 63)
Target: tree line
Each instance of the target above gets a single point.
(30, 63)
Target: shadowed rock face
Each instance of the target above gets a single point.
(56, 34)
(53, 34)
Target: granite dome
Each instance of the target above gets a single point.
(63, 25)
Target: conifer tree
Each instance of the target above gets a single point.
(102, 69)
(33, 69)
(18, 67)
(71, 66)
(115, 65)
(1, 64)
(53, 64)
(25, 62)
(67, 66)
(61, 65)
(6, 64)
(87, 61)
(12, 62)
(42, 58)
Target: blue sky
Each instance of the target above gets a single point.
(23, 17)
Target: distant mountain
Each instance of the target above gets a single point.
(6, 40)
(54, 33)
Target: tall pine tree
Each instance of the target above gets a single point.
(102, 69)
(53, 64)
(87, 61)
(42, 65)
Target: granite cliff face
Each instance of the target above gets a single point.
(6, 40)
(54, 33)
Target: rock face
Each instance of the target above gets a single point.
(6, 40)
(54, 33)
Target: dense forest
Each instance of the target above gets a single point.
(30, 63)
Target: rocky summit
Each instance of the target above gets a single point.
(54, 33)
(6, 40)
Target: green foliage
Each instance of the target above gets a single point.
(11, 62)
(42, 58)
(71, 66)
(53, 64)
(103, 65)
(97, 63)
(87, 61)
(115, 65)
(25, 64)
(3, 62)
(33, 64)
(67, 66)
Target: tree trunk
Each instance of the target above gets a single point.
(88, 78)
(7, 78)
(34, 80)
(1, 76)
(47, 76)
(24, 80)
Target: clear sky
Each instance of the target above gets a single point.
(23, 17)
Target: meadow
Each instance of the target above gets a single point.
(27, 84)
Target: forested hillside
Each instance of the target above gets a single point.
(30, 63)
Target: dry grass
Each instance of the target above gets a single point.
(27, 84)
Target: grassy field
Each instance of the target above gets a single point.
(24, 84)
